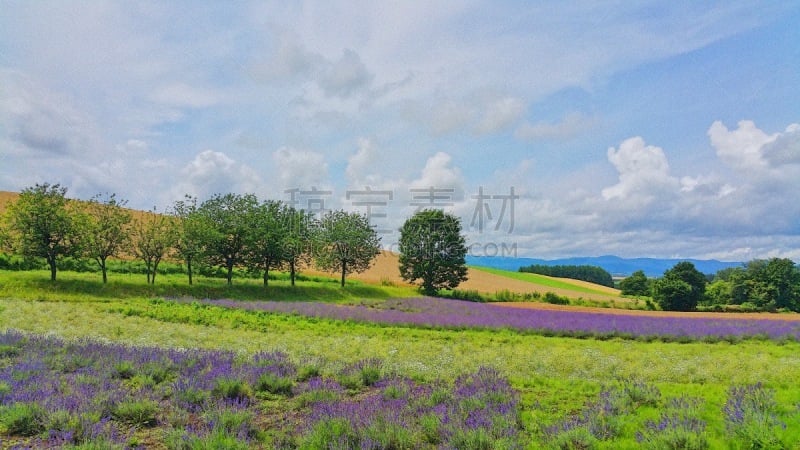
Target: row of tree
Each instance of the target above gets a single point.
(230, 231)
(767, 285)
(592, 274)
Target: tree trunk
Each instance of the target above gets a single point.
(148, 264)
(344, 271)
(266, 273)
(229, 265)
(52, 262)
(155, 268)
(189, 269)
(291, 271)
(103, 269)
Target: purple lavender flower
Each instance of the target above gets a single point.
(436, 312)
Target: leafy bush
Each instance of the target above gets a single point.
(137, 413)
(555, 299)
(751, 417)
(461, 294)
(23, 419)
(231, 389)
(274, 384)
(677, 428)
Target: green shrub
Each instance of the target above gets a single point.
(555, 299)
(274, 384)
(124, 370)
(8, 351)
(307, 372)
(431, 428)
(476, 439)
(231, 389)
(504, 295)
(383, 434)
(468, 295)
(137, 413)
(331, 433)
(579, 438)
(23, 419)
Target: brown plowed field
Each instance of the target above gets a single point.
(385, 268)
(630, 312)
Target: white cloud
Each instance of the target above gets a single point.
(573, 124)
(300, 168)
(290, 61)
(478, 112)
(212, 172)
(439, 173)
(785, 149)
(40, 121)
(643, 172)
(344, 77)
(740, 148)
(362, 165)
(500, 114)
(184, 95)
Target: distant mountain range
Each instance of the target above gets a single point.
(616, 266)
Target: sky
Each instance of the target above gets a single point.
(551, 129)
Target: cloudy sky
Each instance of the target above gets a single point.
(581, 128)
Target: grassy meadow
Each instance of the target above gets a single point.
(568, 388)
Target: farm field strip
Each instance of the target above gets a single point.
(67, 393)
(557, 378)
(436, 312)
(425, 353)
(558, 283)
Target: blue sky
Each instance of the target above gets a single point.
(662, 129)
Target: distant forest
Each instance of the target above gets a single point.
(592, 274)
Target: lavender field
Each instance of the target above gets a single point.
(87, 394)
(57, 394)
(446, 313)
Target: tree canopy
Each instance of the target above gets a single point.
(592, 274)
(42, 224)
(433, 251)
(636, 284)
(104, 229)
(347, 243)
(681, 288)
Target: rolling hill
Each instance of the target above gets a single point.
(652, 267)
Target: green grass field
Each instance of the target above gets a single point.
(556, 376)
(557, 283)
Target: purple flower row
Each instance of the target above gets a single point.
(436, 312)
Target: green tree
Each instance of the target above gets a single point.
(783, 282)
(228, 218)
(718, 292)
(433, 251)
(41, 223)
(636, 284)
(295, 252)
(190, 233)
(153, 237)
(768, 284)
(346, 243)
(104, 229)
(681, 288)
(267, 237)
